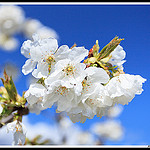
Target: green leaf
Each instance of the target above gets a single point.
(10, 87)
(109, 48)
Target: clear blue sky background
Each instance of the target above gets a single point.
(83, 25)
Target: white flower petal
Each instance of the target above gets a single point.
(61, 64)
(56, 75)
(78, 88)
(41, 71)
(62, 52)
(77, 54)
(63, 104)
(35, 93)
(11, 126)
(80, 71)
(36, 53)
(117, 57)
(118, 53)
(19, 138)
(37, 89)
(31, 99)
(36, 108)
(49, 45)
(25, 49)
(97, 74)
(28, 66)
(49, 100)
(35, 37)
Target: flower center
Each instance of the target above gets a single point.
(18, 127)
(50, 59)
(69, 69)
(86, 85)
(62, 90)
(39, 99)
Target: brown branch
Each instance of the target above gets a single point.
(21, 111)
(6, 120)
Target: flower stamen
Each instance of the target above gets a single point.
(69, 70)
(50, 59)
(62, 90)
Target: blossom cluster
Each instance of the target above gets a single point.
(81, 82)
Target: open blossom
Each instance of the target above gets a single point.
(11, 19)
(19, 131)
(70, 98)
(65, 73)
(92, 100)
(117, 57)
(44, 53)
(95, 104)
(40, 53)
(40, 97)
(64, 96)
(70, 70)
(122, 88)
(94, 77)
(34, 96)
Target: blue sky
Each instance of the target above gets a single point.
(83, 25)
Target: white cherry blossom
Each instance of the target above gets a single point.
(44, 53)
(96, 104)
(64, 96)
(94, 77)
(122, 88)
(73, 87)
(19, 131)
(34, 96)
(70, 70)
(61, 88)
(92, 100)
(40, 53)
